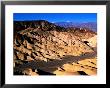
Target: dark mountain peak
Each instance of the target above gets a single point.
(36, 24)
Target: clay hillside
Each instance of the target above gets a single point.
(42, 48)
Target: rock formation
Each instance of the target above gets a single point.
(41, 41)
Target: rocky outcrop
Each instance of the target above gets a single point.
(92, 42)
(44, 41)
(36, 25)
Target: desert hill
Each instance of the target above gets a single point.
(41, 46)
(37, 24)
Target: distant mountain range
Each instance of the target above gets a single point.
(89, 25)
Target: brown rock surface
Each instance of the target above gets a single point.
(50, 43)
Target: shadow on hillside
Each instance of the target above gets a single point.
(51, 66)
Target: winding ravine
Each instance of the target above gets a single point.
(51, 66)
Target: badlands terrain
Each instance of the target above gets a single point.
(43, 48)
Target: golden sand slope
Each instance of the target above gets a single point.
(88, 66)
